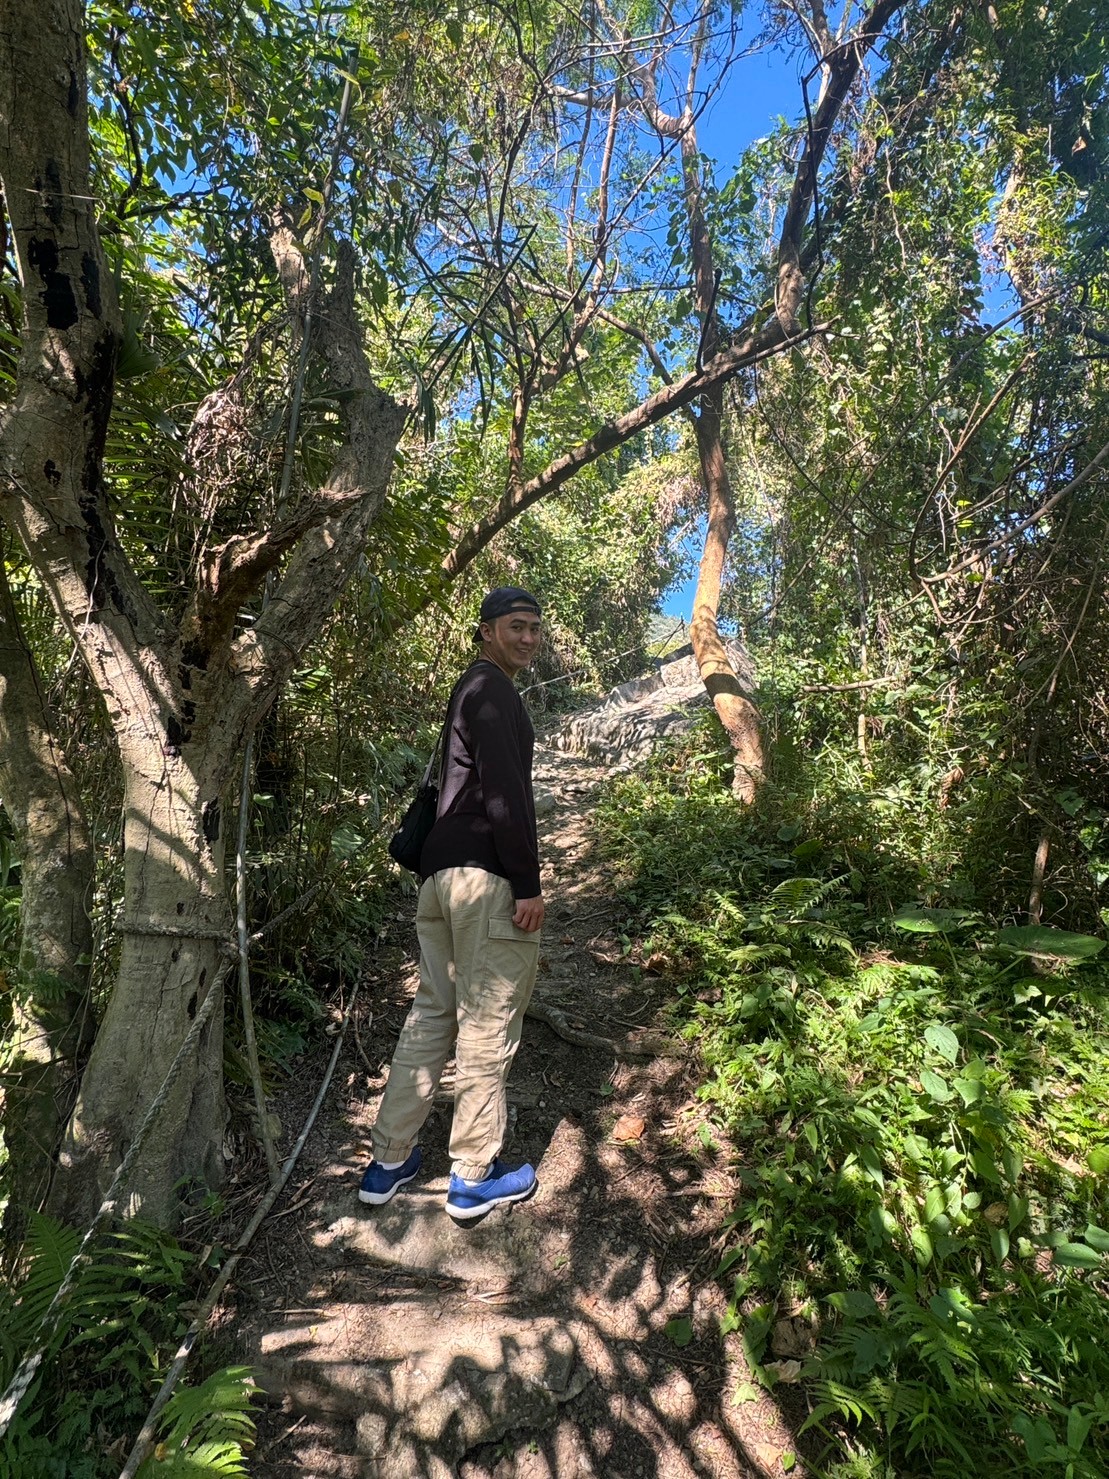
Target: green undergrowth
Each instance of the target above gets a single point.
(919, 1097)
(106, 1361)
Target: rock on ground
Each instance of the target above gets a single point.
(632, 718)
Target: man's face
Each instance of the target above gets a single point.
(512, 640)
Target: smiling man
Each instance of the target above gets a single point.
(478, 920)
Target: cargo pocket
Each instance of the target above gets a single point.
(511, 961)
(504, 929)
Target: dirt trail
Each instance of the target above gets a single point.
(394, 1344)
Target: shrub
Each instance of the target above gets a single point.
(920, 1099)
(106, 1360)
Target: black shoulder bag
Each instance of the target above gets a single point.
(407, 842)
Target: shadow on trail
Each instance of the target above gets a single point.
(575, 1334)
(533, 1343)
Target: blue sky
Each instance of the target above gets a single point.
(760, 90)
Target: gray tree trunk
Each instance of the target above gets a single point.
(181, 697)
(176, 932)
(49, 997)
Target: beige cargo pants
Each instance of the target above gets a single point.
(477, 971)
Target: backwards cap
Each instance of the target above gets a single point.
(501, 601)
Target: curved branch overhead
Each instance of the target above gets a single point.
(781, 332)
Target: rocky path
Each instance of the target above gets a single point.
(575, 1334)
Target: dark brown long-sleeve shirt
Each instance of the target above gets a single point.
(486, 813)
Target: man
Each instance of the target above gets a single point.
(478, 920)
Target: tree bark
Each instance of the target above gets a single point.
(51, 1025)
(735, 710)
(175, 928)
(181, 699)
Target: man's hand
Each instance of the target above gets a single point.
(529, 914)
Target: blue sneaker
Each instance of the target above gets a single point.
(380, 1186)
(503, 1184)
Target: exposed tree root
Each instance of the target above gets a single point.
(645, 1045)
(543, 1011)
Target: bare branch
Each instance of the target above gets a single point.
(758, 346)
(1096, 462)
(843, 69)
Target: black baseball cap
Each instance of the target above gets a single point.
(501, 601)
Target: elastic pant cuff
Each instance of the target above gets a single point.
(391, 1150)
(471, 1170)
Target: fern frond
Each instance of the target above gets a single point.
(792, 898)
(205, 1428)
(49, 1249)
(206, 1461)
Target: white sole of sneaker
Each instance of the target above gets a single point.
(379, 1198)
(465, 1213)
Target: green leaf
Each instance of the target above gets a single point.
(1079, 1424)
(746, 1392)
(999, 1241)
(1012, 1163)
(1098, 1160)
(942, 1040)
(872, 1164)
(1037, 1433)
(949, 1303)
(916, 920)
(985, 1166)
(1018, 1211)
(1097, 1237)
(935, 1086)
(1042, 939)
(1076, 1255)
(970, 1089)
(856, 1303)
(680, 1330)
(1071, 802)
(883, 1224)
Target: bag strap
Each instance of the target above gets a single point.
(437, 753)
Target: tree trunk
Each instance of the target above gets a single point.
(49, 999)
(735, 710)
(181, 697)
(175, 938)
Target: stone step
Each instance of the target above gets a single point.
(422, 1391)
(506, 1248)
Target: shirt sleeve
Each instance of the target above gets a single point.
(488, 712)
